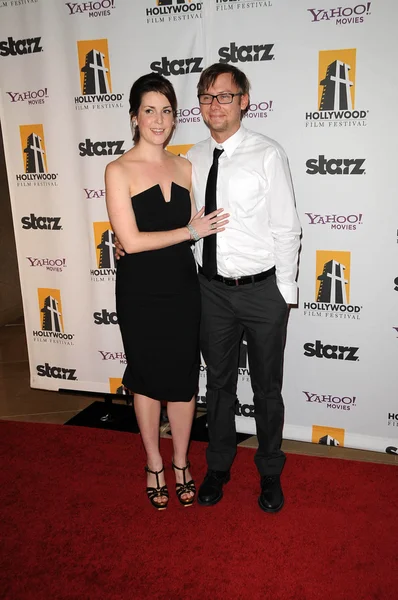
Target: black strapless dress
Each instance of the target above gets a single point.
(158, 304)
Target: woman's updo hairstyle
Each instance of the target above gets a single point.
(152, 82)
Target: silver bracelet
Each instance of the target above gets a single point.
(194, 234)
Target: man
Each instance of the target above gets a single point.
(247, 276)
(247, 279)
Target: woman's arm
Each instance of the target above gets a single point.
(122, 218)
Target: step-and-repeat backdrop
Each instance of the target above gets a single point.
(323, 85)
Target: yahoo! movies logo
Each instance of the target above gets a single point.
(34, 157)
(94, 194)
(259, 110)
(95, 77)
(332, 287)
(341, 15)
(98, 8)
(105, 252)
(50, 264)
(331, 401)
(189, 115)
(229, 5)
(337, 91)
(335, 221)
(120, 357)
(51, 317)
(172, 11)
(327, 436)
(30, 97)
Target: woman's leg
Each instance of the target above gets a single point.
(180, 416)
(147, 411)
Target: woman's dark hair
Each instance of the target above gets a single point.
(209, 75)
(152, 82)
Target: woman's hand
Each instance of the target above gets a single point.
(205, 225)
(119, 249)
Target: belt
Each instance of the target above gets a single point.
(242, 280)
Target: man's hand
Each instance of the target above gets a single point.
(119, 249)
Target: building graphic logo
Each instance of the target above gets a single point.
(336, 91)
(51, 318)
(179, 149)
(51, 310)
(105, 252)
(95, 76)
(333, 283)
(328, 436)
(336, 80)
(33, 148)
(116, 386)
(34, 158)
(332, 287)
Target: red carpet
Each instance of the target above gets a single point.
(77, 525)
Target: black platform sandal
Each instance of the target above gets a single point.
(158, 491)
(186, 487)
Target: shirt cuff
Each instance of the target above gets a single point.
(289, 292)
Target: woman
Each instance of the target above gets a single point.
(157, 292)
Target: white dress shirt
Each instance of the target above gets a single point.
(254, 186)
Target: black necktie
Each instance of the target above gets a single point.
(209, 266)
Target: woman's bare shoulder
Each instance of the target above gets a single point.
(181, 163)
(123, 166)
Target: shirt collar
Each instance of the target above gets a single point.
(231, 144)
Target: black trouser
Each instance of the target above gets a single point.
(259, 310)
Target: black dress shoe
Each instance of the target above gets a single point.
(210, 492)
(271, 497)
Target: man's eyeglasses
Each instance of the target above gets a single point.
(221, 98)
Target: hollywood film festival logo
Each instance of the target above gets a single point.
(98, 8)
(34, 158)
(332, 293)
(172, 11)
(51, 316)
(337, 91)
(95, 77)
(230, 5)
(105, 253)
(341, 15)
